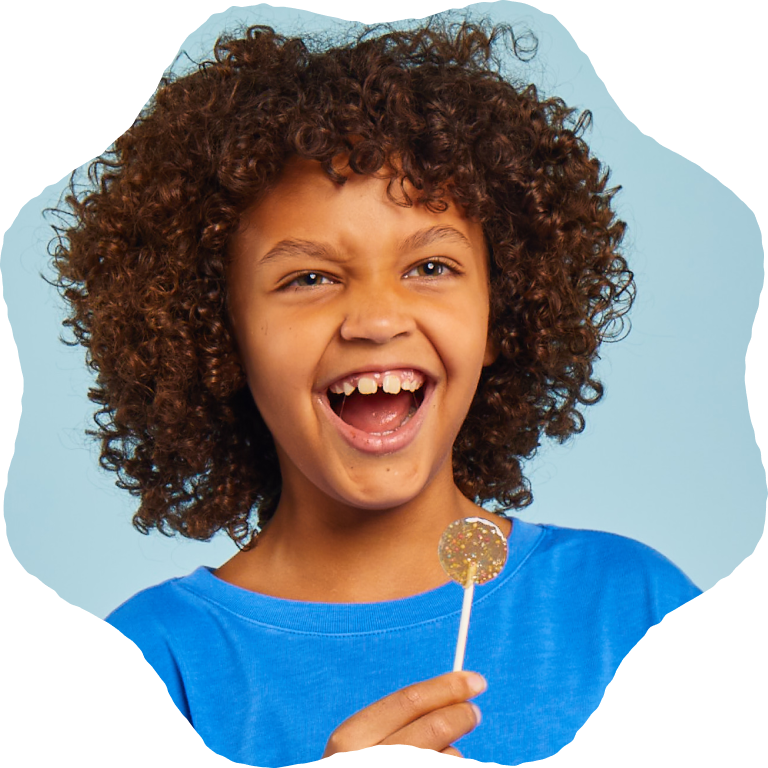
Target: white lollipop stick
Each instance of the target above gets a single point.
(471, 551)
(466, 610)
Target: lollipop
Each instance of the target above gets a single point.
(471, 551)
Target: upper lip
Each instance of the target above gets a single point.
(381, 369)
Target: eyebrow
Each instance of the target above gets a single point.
(297, 247)
(421, 239)
(430, 235)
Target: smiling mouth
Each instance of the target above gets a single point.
(378, 403)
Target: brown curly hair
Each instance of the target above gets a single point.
(142, 259)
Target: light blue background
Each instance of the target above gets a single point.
(668, 457)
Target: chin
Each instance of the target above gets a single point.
(386, 490)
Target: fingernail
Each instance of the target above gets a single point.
(477, 683)
(478, 714)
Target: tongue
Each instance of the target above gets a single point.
(379, 412)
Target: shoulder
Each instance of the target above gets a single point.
(601, 548)
(151, 605)
(161, 621)
(158, 615)
(612, 568)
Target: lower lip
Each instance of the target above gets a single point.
(379, 444)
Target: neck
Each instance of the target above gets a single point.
(324, 551)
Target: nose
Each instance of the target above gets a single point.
(377, 315)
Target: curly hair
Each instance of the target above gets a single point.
(141, 261)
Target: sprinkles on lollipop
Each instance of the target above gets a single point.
(471, 551)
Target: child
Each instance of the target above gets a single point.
(333, 297)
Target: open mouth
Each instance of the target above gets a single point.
(378, 403)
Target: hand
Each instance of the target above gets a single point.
(431, 715)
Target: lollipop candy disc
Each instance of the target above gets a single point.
(472, 540)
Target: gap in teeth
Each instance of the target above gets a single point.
(390, 382)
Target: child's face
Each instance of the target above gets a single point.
(330, 284)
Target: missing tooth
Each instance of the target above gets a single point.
(338, 401)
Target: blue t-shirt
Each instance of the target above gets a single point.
(265, 681)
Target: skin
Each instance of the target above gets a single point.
(327, 280)
(429, 715)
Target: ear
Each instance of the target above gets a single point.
(492, 351)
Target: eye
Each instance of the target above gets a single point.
(308, 280)
(430, 268)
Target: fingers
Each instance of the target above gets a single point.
(451, 751)
(380, 722)
(439, 729)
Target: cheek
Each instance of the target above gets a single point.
(280, 361)
(462, 331)
(259, 356)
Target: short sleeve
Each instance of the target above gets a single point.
(140, 620)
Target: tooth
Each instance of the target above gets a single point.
(416, 384)
(366, 385)
(391, 384)
(336, 389)
(347, 388)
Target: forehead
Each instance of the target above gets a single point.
(306, 202)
